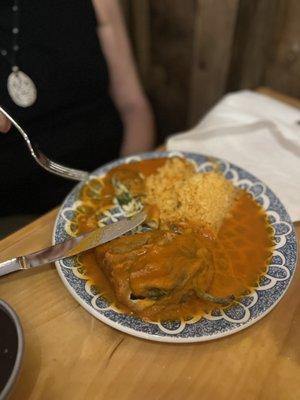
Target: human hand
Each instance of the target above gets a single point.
(5, 124)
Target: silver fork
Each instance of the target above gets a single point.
(44, 161)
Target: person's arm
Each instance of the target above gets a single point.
(126, 90)
(5, 125)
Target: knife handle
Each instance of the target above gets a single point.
(6, 267)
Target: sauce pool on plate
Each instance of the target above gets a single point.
(229, 264)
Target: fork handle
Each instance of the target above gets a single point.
(43, 161)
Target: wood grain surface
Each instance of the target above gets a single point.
(214, 26)
(190, 53)
(71, 355)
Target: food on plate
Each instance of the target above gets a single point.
(181, 195)
(152, 270)
(205, 243)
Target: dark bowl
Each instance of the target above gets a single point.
(11, 348)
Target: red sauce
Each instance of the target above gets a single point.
(241, 252)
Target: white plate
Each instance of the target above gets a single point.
(247, 311)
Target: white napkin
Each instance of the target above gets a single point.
(259, 134)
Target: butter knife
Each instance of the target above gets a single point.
(72, 246)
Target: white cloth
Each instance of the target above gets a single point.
(259, 134)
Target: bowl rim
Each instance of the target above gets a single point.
(15, 371)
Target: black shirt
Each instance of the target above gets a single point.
(73, 119)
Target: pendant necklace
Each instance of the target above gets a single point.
(20, 86)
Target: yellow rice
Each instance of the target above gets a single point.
(182, 195)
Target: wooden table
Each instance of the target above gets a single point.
(71, 355)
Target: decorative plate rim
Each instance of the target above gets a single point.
(171, 337)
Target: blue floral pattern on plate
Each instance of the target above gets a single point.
(244, 313)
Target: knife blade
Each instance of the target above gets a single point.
(72, 246)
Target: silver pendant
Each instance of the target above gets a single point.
(21, 89)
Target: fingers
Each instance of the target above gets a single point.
(5, 124)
